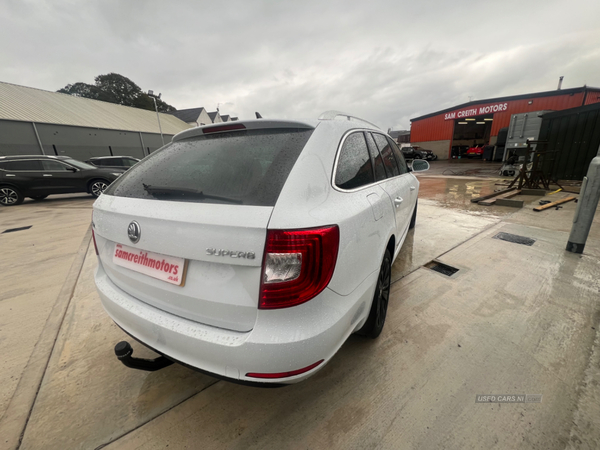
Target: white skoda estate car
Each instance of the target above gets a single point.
(252, 250)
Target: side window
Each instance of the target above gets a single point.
(377, 160)
(354, 164)
(386, 153)
(399, 157)
(24, 165)
(54, 166)
(127, 162)
(99, 162)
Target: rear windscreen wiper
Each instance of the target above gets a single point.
(186, 192)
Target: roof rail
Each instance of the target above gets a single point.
(333, 114)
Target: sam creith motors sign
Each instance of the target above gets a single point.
(498, 107)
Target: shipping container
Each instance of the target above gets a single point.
(573, 138)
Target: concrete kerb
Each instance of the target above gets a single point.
(15, 419)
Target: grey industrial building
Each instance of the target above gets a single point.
(34, 121)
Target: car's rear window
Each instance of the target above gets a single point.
(246, 167)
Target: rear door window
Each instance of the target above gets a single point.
(26, 165)
(399, 157)
(391, 167)
(246, 167)
(376, 158)
(354, 167)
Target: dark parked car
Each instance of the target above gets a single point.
(426, 154)
(418, 153)
(113, 162)
(40, 176)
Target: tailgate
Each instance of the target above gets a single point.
(222, 246)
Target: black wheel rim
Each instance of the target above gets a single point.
(383, 292)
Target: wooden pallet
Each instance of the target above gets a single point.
(491, 201)
(550, 205)
(495, 194)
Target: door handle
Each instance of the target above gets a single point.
(398, 201)
(412, 188)
(47, 174)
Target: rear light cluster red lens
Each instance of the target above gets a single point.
(297, 266)
(219, 129)
(284, 374)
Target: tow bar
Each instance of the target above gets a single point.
(124, 351)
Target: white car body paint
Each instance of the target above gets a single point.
(213, 322)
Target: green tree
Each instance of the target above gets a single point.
(115, 88)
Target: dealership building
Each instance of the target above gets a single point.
(478, 122)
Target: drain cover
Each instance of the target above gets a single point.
(16, 229)
(515, 238)
(442, 268)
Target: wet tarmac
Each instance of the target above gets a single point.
(456, 194)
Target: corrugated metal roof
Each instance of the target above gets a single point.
(35, 105)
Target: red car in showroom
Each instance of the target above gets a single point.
(476, 150)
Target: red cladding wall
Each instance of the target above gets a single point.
(437, 128)
(592, 97)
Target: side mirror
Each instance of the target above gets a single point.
(71, 169)
(419, 165)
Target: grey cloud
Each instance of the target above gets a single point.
(385, 60)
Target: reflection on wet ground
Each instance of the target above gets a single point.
(464, 167)
(456, 193)
(446, 218)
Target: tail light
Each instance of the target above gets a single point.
(222, 128)
(297, 266)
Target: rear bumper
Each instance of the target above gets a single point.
(282, 340)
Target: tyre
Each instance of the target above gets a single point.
(10, 196)
(413, 220)
(39, 197)
(374, 324)
(97, 187)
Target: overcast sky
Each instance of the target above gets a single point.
(387, 61)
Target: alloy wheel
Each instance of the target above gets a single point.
(98, 188)
(8, 196)
(383, 290)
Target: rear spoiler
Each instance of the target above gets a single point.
(227, 127)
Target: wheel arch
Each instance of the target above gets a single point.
(92, 180)
(391, 245)
(12, 185)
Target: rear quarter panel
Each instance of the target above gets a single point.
(308, 199)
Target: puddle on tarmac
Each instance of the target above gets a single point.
(457, 194)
